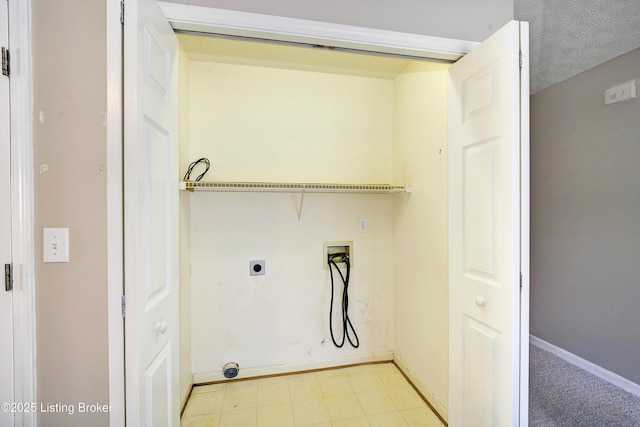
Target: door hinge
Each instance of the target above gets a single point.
(520, 281)
(124, 307)
(122, 12)
(6, 70)
(8, 277)
(520, 59)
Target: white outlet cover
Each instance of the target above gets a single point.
(363, 224)
(620, 93)
(55, 245)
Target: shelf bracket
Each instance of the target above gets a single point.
(300, 208)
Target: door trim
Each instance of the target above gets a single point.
(22, 247)
(525, 224)
(278, 28)
(115, 197)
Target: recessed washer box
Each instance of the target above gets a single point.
(330, 247)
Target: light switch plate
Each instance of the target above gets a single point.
(55, 245)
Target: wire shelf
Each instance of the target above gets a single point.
(282, 187)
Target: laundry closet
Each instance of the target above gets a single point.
(275, 113)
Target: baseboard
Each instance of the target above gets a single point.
(184, 397)
(208, 377)
(590, 367)
(426, 393)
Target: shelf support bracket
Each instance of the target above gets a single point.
(300, 208)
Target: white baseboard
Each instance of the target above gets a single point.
(185, 394)
(590, 367)
(428, 394)
(206, 377)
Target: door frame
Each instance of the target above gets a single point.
(229, 22)
(22, 228)
(525, 225)
(115, 219)
(209, 20)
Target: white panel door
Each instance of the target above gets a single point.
(485, 238)
(151, 217)
(6, 307)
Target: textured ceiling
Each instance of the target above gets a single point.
(571, 36)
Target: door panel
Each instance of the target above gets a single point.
(158, 381)
(6, 306)
(151, 217)
(484, 227)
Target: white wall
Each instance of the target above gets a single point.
(272, 124)
(266, 124)
(420, 230)
(257, 123)
(186, 377)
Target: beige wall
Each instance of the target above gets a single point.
(420, 230)
(70, 138)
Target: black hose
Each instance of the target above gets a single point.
(346, 321)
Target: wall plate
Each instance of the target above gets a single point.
(55, 245)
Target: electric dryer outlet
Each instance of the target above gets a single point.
(257, 268)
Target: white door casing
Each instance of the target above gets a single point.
(6, 303)
(525, 221)
(485, 233)
(22, 251)
(151, 217)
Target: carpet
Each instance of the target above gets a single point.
(563, 395)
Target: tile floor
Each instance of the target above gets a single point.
(366, 395)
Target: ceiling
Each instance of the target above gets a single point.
(568, 37)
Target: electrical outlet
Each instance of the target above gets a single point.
(257, 268)
(363, 224)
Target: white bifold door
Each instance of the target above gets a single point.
(488, 232)
(151, 222)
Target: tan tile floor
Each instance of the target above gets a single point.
(366, 395)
